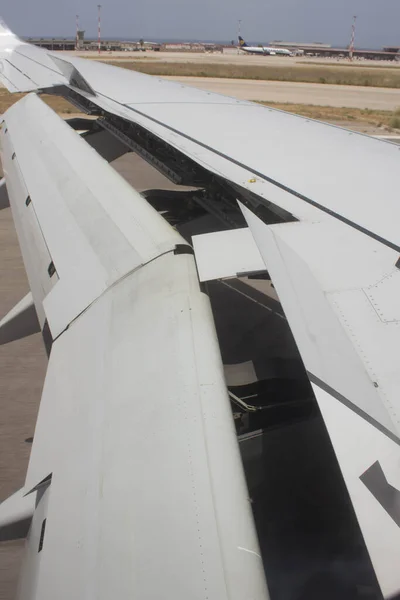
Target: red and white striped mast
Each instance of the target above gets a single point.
(99, 26)
(77, 33)
(353, 37)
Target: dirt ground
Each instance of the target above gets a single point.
(22, 370)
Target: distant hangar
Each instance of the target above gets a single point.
(320, 49)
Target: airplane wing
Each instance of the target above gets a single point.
(135, 464)
(339, 289)
(119, 292)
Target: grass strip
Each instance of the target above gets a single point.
(337, 75)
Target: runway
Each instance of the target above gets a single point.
(233, 57)
(298, 93)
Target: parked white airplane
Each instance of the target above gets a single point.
(169, 344)
(265, 50)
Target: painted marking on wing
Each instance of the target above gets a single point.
(386, 494)
(356, 409)
(9, 82)
(249, 551)
(22, 73)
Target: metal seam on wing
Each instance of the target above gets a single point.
(343, 400)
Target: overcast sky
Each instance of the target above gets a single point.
(378, 21)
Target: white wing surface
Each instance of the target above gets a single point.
(89, 251)
(135, 463)
(24, 67)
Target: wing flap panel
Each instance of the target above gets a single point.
(15, 78)
(350, 351)
(35, 253)
(91, 240)
(323, 335)
(139, 381)
(226, 254)
(359, 446)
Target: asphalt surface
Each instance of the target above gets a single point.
(22, 370)
(272, 91)
(298, 93)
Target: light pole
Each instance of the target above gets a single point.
(239, 24)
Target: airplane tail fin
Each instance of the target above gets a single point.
(242, 43)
